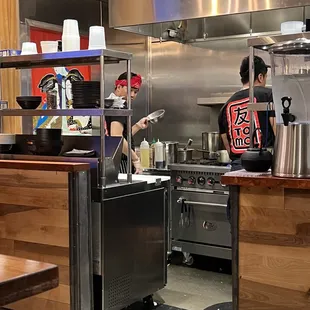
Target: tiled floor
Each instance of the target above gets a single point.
(207, 283)
(195, 289)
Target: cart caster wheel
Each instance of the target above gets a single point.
(148, 303)
(189, 261)
(169, 259)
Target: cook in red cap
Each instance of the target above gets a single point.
(117, 126)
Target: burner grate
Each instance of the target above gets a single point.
(204, 162)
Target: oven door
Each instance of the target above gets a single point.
(203, 219)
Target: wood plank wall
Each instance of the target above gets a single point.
(34, 224)
(274, 249)
(10, 78)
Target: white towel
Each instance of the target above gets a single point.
(119, 102)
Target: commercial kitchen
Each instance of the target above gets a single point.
(79, 229)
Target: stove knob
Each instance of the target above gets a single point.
(201, 181)
(179, 179)
(191, 181)
(210, 181)
(223, 185)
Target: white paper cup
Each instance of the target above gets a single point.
(96, 38)
(49, 46)
(71, 27)
(71, 43)
(29, 48)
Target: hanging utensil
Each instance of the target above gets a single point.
(187, 218)
(189, 143)
(181, 222)
(185, 154)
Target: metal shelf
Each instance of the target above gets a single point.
(66, 112)
(264, 42)
(84, 57)
(212, 101)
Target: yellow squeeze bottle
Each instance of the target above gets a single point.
(145, 154)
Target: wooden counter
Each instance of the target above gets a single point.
(40, 219)
(271, 241)
(21, 278)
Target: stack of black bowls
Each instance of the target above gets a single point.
(85, 94)
(48, 141)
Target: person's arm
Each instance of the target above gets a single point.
(272, 121)
(225, 141)
(222, 129)
(142, 124)
(117, 131)
(272, 115)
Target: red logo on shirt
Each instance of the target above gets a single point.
(238, 119)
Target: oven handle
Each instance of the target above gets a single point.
(209, 204)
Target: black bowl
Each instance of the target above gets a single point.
(48, 134)
(52, 148)
(29, 102)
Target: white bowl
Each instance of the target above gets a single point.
(49, 46)
(29, 48)
(292, 27)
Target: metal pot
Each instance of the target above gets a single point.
(223, 157)
(6, 142)
(171, 152)
(185, 155)
(210, 141)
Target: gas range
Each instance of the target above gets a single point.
(198, 177)
(199, 222)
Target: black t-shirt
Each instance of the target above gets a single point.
(123, 121)
(234, 120)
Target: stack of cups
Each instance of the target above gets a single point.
(96, 38)
(70, 36)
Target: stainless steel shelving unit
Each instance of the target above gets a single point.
(84, 57)
(264, 43)
(67, 112)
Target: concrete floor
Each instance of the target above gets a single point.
(197, 288)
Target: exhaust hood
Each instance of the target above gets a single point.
(186, 20)
(124, 13)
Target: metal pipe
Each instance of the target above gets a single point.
(208, 204)
(204, 35)
(251, 91)
(102, 126)
(129, 164)
(149, 82)
(101, 12)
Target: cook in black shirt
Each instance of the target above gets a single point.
(234, 117)
(117, 125)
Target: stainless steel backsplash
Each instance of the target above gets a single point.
(174, 74)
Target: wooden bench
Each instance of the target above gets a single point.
(21, 278)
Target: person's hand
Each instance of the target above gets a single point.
(143, 123)
(137, 164)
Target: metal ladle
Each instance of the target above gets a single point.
(189, 143)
